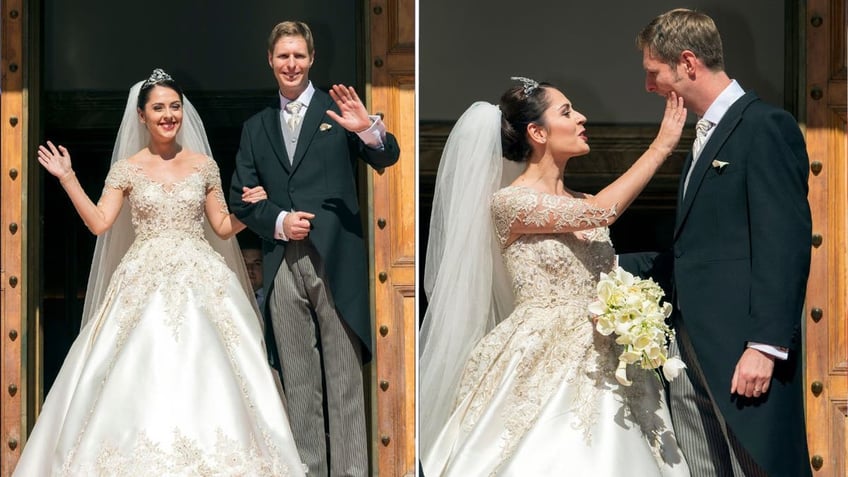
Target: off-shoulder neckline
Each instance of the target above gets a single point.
(537, 192)
(196, 170)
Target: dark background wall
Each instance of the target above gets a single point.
(103, 45)
(469, 50)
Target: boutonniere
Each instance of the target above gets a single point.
(720, 165)
(324, 127)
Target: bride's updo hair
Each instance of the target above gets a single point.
(518, 109)
(157, 78)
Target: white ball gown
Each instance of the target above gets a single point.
(170, 376)
(538, 396)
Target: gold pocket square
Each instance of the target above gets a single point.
(324, 127)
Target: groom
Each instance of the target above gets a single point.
(303, 150)
(738, 265)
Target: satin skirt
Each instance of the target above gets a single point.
(168, 379)
(539, 398)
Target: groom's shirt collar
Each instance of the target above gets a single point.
(305, 97)
(723, 102)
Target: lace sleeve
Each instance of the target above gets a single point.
(119, 176)
(515, 207)
(212, 176)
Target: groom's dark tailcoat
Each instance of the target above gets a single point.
(738, 270)
(320, 180)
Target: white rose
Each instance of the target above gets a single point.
(672, 368)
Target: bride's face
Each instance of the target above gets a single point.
(163, 113)
(566, 136)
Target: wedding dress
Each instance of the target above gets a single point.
(538, 395)
(169, 376)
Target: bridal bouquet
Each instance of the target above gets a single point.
(630, 307)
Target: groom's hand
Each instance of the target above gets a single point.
(296, 225)
(354, 116)
(753, 374)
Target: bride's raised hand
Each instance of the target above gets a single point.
(672, 124)
(57, 161)
(252, 195)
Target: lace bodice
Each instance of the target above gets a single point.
(158, 208)
(557, 268)
(170, 251)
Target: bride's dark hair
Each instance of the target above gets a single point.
(518, 109)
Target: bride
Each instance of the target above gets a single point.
(514, 380)
(168, 375)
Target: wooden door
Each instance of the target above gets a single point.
(827, 307)
(12, 199)
(392, 57)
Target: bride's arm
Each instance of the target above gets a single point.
(518, 212)
(97, 217)
(621, 193)
(223, 223)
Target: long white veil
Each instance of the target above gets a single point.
(113, 245)
(467, 287)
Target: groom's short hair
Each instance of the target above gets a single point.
(669, 34)
(291, 28)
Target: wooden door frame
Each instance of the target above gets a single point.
(16, 206)
(392, 228)
(826, 317)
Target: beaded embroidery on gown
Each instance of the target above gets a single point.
(170, 376)
(538, 395)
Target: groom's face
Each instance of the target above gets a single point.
(290, 60)
(660, 77)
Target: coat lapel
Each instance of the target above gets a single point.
(271, 123)
(723, 129)
(314, 113)
(686, 165)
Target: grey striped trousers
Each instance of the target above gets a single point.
(708, 444)
(321, 363)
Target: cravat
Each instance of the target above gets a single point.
(293, 109)
(701, 129)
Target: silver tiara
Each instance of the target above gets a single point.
(529, 84)
(157, 77)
